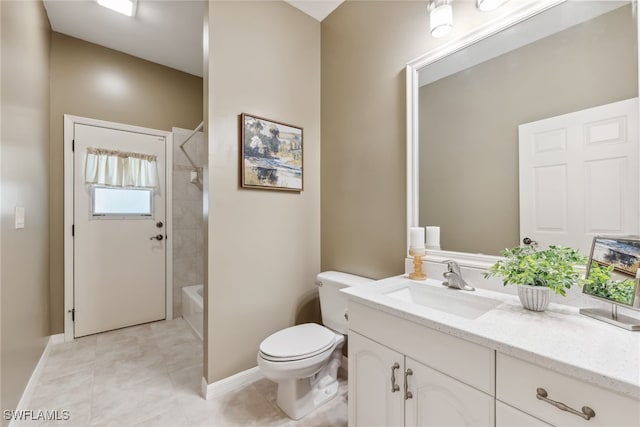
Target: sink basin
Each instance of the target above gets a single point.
(453, 301)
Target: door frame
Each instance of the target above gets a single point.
(69, 123)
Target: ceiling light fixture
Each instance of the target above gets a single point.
(440, 17)
(489, 5)
(125, 7)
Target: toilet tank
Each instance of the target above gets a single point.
(333, 303)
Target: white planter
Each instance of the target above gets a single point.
(534, 298)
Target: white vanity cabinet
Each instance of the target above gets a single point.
(510, 417)
(505, 368)
(375, 384)
(519, 383)
(408, 382)
(439, 400)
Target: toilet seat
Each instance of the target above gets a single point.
(297, 342)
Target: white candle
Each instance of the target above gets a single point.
(416, 241)
(433, 237)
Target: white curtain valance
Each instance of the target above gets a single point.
(120, 169)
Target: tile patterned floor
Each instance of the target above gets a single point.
(149, 376)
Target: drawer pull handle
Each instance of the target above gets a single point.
(394, 387)
(407, 394)
(587, 413)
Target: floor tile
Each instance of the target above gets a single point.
(132, 403)
(171, 416)
(150, 376)
(65, 359)
(60, 392)
(188, 380)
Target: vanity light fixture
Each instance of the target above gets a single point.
(125, 7)
(489, 5)
(440, 17)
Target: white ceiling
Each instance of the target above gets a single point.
(167, 32)
(318, 9)
(164, 32)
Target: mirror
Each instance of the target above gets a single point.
(612, 272)
(468, 100)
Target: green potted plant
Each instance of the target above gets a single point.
(600, 284)
(538, 271)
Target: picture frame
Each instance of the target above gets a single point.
(271, 154)
(621, 255)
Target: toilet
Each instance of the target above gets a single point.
(304, 359)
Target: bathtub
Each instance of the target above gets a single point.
(192, 307)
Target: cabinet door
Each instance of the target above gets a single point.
(506, 416)
(372, 399)
(439, 400)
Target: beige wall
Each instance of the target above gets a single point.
(92, 81)
(24, 174)
(469, 146)
(365, 47)
(263, 247)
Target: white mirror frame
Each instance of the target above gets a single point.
(492, 27)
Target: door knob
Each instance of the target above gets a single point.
(158, 237)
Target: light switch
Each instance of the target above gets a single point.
(19, 217)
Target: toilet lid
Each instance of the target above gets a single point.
(298, 341)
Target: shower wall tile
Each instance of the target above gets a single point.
(200, 243)
(187, 218)
(193, 191)
(191, 148)
(187, 214)
(199, 268)
(185, 270)
(180, 185)
(177, 302)
(184, 242)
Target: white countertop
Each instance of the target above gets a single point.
(559, 339)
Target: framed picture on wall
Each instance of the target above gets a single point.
(270, 154)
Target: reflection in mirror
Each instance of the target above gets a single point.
(613, 276)
(612, 273)
(570, 58)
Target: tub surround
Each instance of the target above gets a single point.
(559, 339)
(187, 216)
(193, 307)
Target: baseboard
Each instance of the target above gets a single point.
(35, 375)
(228, 384)
(56, 339)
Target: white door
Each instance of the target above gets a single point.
(375, 384)
(119, 239)
(579, 176)
(437, 400)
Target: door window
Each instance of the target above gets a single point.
(110, 202)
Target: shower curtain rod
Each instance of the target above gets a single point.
(200, 126)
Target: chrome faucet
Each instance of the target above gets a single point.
(454, 277)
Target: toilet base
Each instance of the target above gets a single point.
(298, 398)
